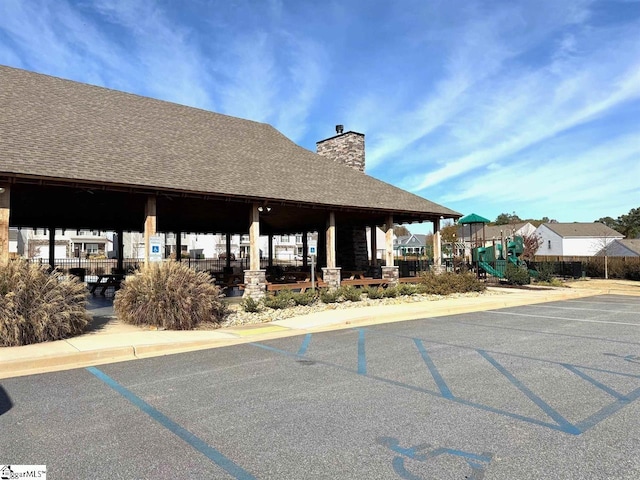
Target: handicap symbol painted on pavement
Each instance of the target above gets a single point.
(425, 452)
(626, 358)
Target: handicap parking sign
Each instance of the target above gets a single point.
(155, 249)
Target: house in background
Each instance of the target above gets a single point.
(33, 243)
(414, 244)
(574, 239)
(628, 247)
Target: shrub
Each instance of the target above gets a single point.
(329, 296)
(305, 298)
(250, 305)
(390, 292)
(169, 295)
(350, 293)
(448, 283)
(516, 275)
(36, 306)
(283, 299)
(406, 289)
(545, 272)
(373, 293)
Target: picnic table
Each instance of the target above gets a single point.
(105, 281)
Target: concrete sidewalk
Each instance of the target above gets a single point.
(113, 341)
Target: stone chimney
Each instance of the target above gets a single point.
(346, 148)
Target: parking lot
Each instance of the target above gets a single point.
(541, 391)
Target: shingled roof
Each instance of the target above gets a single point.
(583, 230)
(59, 129)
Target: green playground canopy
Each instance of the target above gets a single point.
(473, 218)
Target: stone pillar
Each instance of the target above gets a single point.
(331, 277)
(374, 245)
(150, 226)
(331, 241)
(255, 284)
(254, 238)
(391, 275)
(345, 148)
(388, 244)
(5, 208)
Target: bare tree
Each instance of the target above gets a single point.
(531, 244)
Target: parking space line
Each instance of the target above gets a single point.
(560, 318)
(583, 309)
(608, 410)
(442, 385)
(362, 359)
(544, 406)
(211, 453)
(593, 381)
(305, 344)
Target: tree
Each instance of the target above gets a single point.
(401, 231)
(507, 219)
(628, 225)
(531, 244)
(448, 233)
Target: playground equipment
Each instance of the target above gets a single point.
(485, 257)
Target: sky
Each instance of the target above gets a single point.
(487, 107)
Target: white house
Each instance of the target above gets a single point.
(629, 247)
(574, 239)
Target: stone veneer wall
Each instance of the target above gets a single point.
(346, 148)
(331, 277)
(351, 244)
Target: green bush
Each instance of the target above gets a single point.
(305, 298)
(516, 275)
(329, 296)
(373, 293)
(36, 306)
(390, 292)
(545, 271)
(169, 295)
(350, 293)
(283, 299)
(406, 289)
(250, 305)
(448, 282)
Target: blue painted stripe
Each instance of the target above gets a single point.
(594, 382)
(211, 453)
(442, 385)
(609, 410)
(545, 407)
(362, 359)
(305, 344)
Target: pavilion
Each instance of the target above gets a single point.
(77, 156)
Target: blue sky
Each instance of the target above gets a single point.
(489, 106)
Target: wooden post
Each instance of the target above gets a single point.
(150, 226)
(389, 242)
(437, 244)
(52, 248)
(374, 245)
(120, 248)
(254, 238)
(331, 240)
(305, 249)
(5, 208)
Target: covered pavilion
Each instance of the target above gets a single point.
(76, 156)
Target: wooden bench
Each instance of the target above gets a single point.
(105, 281)
(365, 282)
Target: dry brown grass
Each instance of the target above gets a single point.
(36, 306)
(169, 295)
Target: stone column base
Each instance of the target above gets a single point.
(255, 284)
(437, 269)
(391, 275)
(331, 277)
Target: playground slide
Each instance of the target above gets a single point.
(490, 270)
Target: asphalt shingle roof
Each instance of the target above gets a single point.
(55, 128)
(583, 230)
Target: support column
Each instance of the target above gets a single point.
(305, 248)
(374, 245)
(390, 272)
(52, 248)
(437, 248)
(120, 248)
(5, 208)
(150, 226)
(331, 273)
(227, 261)
(178, 246)
(255, 282)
